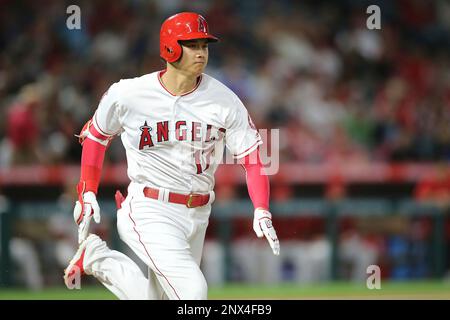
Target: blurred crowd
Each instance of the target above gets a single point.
(338, 91)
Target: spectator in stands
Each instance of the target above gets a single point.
(23, 127)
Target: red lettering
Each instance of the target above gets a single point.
(181, 137)
(146, 138)
(208, 133)
(196, 131)
(162, 131)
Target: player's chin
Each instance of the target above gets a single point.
(198, 68)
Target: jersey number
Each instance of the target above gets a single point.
(205, 154)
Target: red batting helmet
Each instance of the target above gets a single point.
(182, 26)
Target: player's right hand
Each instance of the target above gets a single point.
(86, 208)
(262, 225)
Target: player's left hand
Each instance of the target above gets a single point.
(86, 208)
(262, 224)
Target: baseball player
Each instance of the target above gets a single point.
(174, 125)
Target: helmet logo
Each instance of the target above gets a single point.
(202, 24)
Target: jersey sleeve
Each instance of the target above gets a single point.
(241, 135)
(106, 118)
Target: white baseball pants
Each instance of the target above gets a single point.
(167, 237)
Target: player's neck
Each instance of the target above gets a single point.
(178, 83)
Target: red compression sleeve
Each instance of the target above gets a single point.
(92, 158)
(257, 181)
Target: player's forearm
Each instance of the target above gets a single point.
(92, 158)
(257, 182)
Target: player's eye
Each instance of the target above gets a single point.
(194, 45)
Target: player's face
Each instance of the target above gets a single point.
(195, 56)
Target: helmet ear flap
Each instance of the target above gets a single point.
(173, 51)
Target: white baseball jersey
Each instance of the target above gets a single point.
(171, 141)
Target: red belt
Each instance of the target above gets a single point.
(191, 200)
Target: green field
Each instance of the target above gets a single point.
(389, 290)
